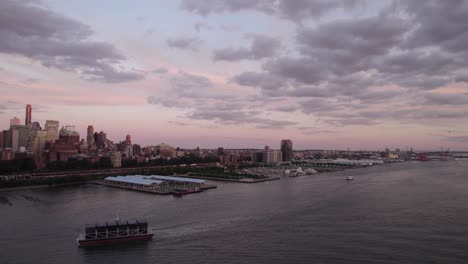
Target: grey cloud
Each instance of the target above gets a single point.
(311, 91)
(166, 102)
(287, 9)
(364, 36)
(321, 107)
(239, 117)
(184, 81)
(445, 99)
(160, 70)
(265, 81)
(285, 108)
(206, 7)
(363, 70)
(461, 78)
(183, 43)
(297, 10)
(351, 122)
(305, 70)
(58, 41)
(438, 23)
(261, 47)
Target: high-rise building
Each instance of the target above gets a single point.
(27, 120)
(136, 149)
(287, 150)
(15, 121)
(90, 135)
(128, 139)
(129, 151)
(52, 129)
(38, 142)
(101, 140)
(36, 126)
(20, 136)
(1, 139)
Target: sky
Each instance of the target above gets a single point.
(327, 74)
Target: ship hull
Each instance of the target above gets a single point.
(109, 241)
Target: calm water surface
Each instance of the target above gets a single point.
(399, 213)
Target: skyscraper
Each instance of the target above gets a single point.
(15, 121)
(101, 140)
(128, 139)
(7, 140)
(27, 120)
(287, 150)
(20, 136)
(90, 135)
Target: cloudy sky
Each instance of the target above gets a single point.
(242, 73)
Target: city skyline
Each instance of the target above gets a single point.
(242, 74)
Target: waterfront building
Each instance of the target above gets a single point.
(229, 158)
(52, 129)
(271, 156)
(287, 150)
(1, 139)
(27, 120)
(15, 121)
(116, 159)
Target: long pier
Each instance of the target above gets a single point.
(163, 191)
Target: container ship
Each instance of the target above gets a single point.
(117, 231)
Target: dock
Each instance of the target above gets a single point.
(156, 184)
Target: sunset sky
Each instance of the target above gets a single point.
(327, 74)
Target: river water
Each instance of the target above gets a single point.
(398, 213)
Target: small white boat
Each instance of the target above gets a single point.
(349, 178)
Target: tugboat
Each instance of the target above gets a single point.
(117, 231)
